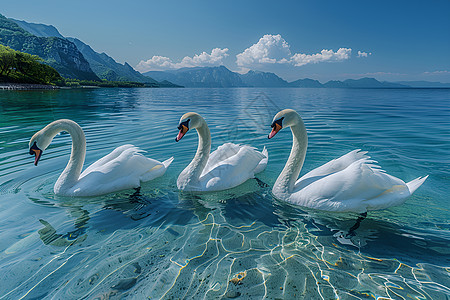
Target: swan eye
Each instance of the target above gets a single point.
(185, 123)
(34, 150)
(278, 122)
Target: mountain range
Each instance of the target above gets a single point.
(209, 77)
(223, 77)
(424, 84)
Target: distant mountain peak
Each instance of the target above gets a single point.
(424, 84)
(209, 77)
(256, 78)
(369, 82)
(306, 83)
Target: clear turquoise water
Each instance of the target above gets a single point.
(161, 243)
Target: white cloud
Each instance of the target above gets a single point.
(160, 63)
(269, 49)
(363, 54)
(273, 49)
(215, 58)
(155, 63)
(299, 59)
(443, 72)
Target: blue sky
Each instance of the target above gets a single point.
(324, 40)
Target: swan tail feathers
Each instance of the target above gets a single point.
(265, 152)
(167, 162)
(360, 154)
(416, 183)
(156, 171)
(263, 163)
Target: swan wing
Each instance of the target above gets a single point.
(231, 171)
(331, 167)
(123, 171)
(222, 153)
(359, 187)
(107, 158)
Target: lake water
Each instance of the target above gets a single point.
(161, 243)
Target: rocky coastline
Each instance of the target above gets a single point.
(26, 86)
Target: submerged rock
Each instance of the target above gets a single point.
(232, 294)
(125, 284)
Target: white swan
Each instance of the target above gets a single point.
(123, 168)
(351, 183)
(227, 167)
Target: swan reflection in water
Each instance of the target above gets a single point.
(148, 209)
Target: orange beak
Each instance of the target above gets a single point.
(275, 130)
(34, 150)
(37, 155)
(182, 132)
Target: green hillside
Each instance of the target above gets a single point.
(22, 67)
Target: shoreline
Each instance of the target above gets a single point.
(35, 86)
(26, 86)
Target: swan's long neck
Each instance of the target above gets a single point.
(69, 177)
(286, 181)
(198, 163)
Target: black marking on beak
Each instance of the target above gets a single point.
(279, 122)
(34, 150)
(277, 125)
(183, 127)
(185, 123)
